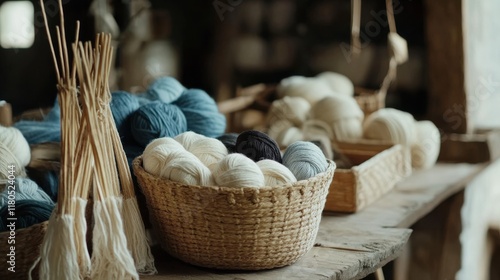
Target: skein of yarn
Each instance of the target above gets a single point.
(258, 146)
(390, 125)
(14, 141)
(229, 140)
(425, 150)
(208, 150)
(236, 170)
(289, 136)
(159, 153)
(339, 83)
(202, 113)
(164, 89)
(123, 105)
(155, 120)
(342, 114)
(311, 89)
(188, 169)
(187, 139)
(293, 109)
(275, 173)
(28, 213)
(305, 160)
(37, 132)
(26, 189)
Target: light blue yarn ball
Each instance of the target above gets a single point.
(54, 114)
(155, 120)
(305, 160)
(164, 89)
(123, 105)
(26, 189)
(202, 113)
(39, 132)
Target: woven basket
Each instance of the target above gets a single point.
(235, 228)
(28, 241)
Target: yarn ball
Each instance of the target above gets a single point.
(229, 140)
(36, 132)
(275, 173)
(187, 139)
(14, 140)
(49, 183)
(257, 146)
(425, 150)
(321, 134)
(164, 89)
(155, 120)
(278, 127)
(123, 105)
(159, 153)
(28, 213)
(289, 136)
(26, 189)
(305, 160)
(311, 89)
(294, 109)
(187, 169)
(54, 114)
(236, 170)
(292, 80)
(208, 150)
(202, 113)
(7, 158)
(390, 125)
(339, 83)
(342, 114)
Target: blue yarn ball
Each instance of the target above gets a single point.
(28, 213)
(39, 132)
(202, 113)
(257, 146)
(155, 120)
(123, 105)
(164, 89)
(54, 114)
(49, 182)
(305, 160)
(229, 140)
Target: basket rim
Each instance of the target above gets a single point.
(138, 168)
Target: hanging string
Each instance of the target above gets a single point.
(355, 26)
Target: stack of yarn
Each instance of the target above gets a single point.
(250, 159)
(32, 205)
(323, 108)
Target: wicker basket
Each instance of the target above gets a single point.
(28, 242)
(235, 228)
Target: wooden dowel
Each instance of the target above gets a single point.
(5, 114)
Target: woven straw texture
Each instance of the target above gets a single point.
(28, 241)
(355, 188)
(235, 228)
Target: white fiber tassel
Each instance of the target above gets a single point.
(136, 238)
(80, 237)
(58, 257)
(111, 258)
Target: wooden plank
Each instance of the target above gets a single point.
(415, 196)
(341, 252)
(447, 102)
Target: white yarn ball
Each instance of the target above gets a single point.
(311, 89)
(275, 173)
(209, 150)
(187, 139)
(289, 136)
(188, 169)
(14, 140)
(276, 128)
(425, 151)
(156, 159)
(236, 170)
(342, 114)
(391, 125)
(170, 142)
(293, 109)
(292, 80)
(339, 83)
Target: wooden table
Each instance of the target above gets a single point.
(351, 246)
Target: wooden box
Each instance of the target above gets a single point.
(376, 170)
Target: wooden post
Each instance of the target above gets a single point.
(5, 114)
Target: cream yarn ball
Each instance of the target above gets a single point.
(187, 169)
(391, 125)
(275, 173)
(187, 139)
(14, 140)
(343, 115)
(155, 160)
(311, 89)
(169, 142)
(293, 109)
(425, 150)
(209, 150)
(276, 128)
(236, 170)
(339, 83)
(289, 136)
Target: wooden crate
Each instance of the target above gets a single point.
(376, 170)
